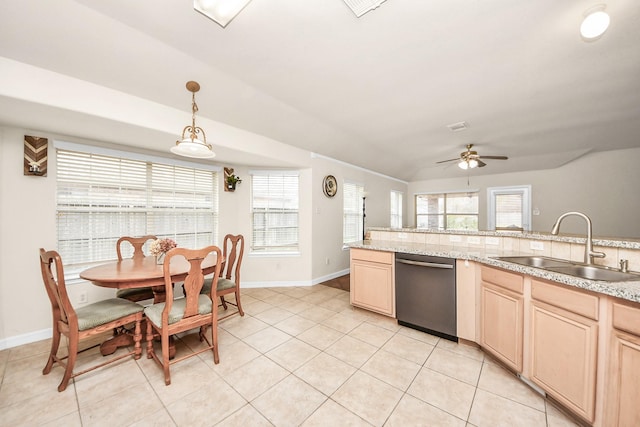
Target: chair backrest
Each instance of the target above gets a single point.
(192, 284)
(53, 277)
(136, 242)
(233, 250)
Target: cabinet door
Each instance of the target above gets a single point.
(502, 324)
(563, 357)
(622, 399)
(372, 286)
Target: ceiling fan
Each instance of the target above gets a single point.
(470, 159)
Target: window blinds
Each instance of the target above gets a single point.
(352, 208)
(275, 209)
(101, 198)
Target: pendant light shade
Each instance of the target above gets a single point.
(190, 144)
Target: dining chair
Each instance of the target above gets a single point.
(229, 282)
(136, 294)
(84, 322)
(190, 311)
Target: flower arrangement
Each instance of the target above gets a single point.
(161, 246)
(233, 179)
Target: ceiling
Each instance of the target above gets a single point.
(377, 91)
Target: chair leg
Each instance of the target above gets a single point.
(137, 339)
(165, 357)
(214, 342)
(238, 302)
(149, 340)
(224, 303)
(55, 344)
(71, 361)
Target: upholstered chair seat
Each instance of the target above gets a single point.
(154, 311)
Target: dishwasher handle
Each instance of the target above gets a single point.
(424, 264)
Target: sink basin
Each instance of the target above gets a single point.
(594, 273)
(570, 268)
(536, 261)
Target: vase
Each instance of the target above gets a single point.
(160, 259)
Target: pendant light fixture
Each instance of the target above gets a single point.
(190, 145)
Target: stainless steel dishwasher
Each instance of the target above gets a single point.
(426, 294)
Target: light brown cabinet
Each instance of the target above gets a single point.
(502, 316)
(564, 345)
(622, 406)
(372, 281)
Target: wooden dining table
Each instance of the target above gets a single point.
(139, 273)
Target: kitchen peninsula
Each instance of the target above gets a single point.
(578, 340)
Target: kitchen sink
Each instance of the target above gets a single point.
(535, 261)
(570, 268)
(595, 273)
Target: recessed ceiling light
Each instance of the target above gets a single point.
(595, 23)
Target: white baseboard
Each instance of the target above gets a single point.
(277, 284)
(46, 333)
(25, 338)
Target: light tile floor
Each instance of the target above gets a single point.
(300, 356)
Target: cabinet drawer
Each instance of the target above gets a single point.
(372, 256)
(577, 302)
(626, 318)
(512, 281)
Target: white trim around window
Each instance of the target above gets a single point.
(521, 192)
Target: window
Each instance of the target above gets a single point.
(101, 198)
(274, 211)
(353, 206)
(447, 211)
(509, 208)
(396, 209)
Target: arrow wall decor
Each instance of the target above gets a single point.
(35, 155)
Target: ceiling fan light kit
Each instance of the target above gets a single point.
(470, 159)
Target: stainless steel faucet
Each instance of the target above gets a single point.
(589, 253)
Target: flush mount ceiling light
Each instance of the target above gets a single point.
(189, 144)
(220, 11)
(360, 7)
(595, 23)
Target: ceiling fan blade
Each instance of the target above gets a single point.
(450, 160)
(495, 157)
(481, 163)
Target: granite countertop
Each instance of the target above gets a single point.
(625, 290)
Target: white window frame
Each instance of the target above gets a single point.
(523, 190)
(446, 212)
(352, 209)
(396, 208)
(286, 206)
(144, 203)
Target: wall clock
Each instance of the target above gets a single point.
(330, 186)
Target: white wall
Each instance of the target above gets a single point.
(602, 185)
(27, 223)
(327, 212)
